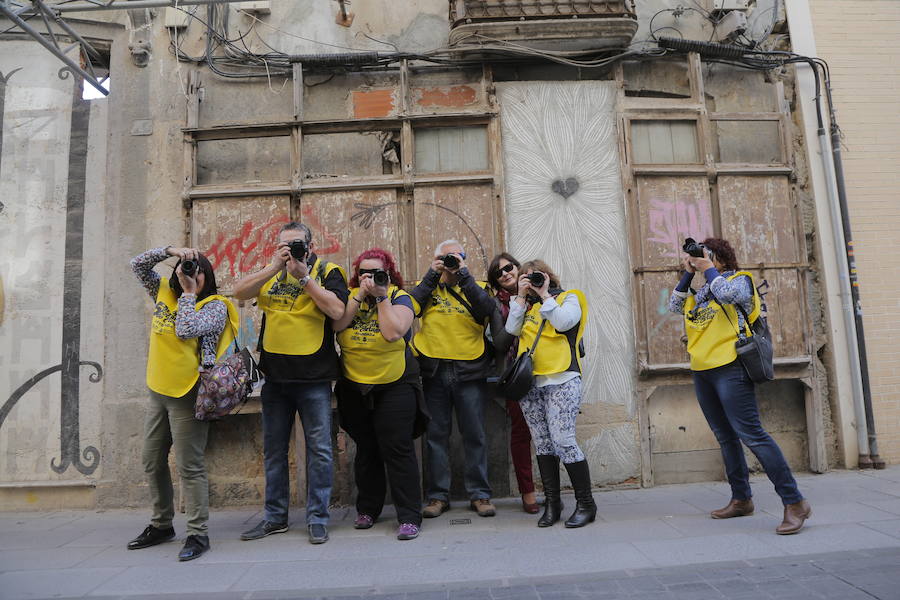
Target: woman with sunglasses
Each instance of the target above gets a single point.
(379, 395)
(503, 275)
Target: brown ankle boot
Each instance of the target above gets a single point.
(794, 516)
(735, 508)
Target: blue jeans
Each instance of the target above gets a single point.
(443, 393)
(280, 402)
(728, 401)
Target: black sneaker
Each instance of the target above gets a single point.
(318, 534)
(151, 537)
(194, 546)
(263, 529)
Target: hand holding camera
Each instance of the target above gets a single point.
(373, 283)
(700, 258)
(294, 254)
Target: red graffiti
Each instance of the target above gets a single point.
(670, 222)
(249, 250)
(311, 219)
(253, 247)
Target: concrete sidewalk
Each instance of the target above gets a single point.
(660, 538)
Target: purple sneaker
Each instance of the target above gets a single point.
(363, 521)
(407, 531)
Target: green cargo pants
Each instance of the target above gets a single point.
(170, 421)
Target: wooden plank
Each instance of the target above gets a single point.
(238, 234)
(200, 192)
(671, 209)
(346, 223)
(664, 329)
(785, 300)
(758, 218)
(465, 213)
(297, 81)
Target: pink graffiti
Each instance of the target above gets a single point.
(670, 222)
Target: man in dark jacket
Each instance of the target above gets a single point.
(455, 360)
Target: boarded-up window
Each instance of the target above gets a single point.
(353, 154)
(451, 149)
(664, 142)
(748, 142)
(244, 160)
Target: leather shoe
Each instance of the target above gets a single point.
(735, 508)
(794, 516)
(531, 509)
(151, 536)
(194, 546)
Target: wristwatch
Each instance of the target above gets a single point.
(304, 281)
(378, 299)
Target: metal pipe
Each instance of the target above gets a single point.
(65, 26)
(40, 39)
(875, 459)
(130, 4)
(862, 437)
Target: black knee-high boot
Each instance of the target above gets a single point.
(553, 506)
(585, 507)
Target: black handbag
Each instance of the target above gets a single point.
(518, 377)
(755, 352)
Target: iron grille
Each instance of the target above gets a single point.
(487, 10)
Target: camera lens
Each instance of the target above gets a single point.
(692, 248)
(189, 267)
(450, 261)
(380, 278)
(536, 279)
(298, 249)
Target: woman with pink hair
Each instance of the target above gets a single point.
(380, 394)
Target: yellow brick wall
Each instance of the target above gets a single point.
(859, 40)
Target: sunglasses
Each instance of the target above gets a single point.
(369, 271)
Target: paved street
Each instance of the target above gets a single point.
(647, 544)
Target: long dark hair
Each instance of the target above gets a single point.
(494, 269)
(386, 258)
(723, 251)
(209, 284)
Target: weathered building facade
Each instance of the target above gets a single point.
(601, 166)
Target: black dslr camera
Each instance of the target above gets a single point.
(536, 279)
(692, 248)
(380, 278)
(189, 267)
(450, 261)
(299, 249)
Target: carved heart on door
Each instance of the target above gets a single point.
(565, 188)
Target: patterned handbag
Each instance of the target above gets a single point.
(225, 385)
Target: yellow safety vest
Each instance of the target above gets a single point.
(556, 352)
(365, 355)
(448, 330)
(712, 331)
(173, 363)
(294, 323)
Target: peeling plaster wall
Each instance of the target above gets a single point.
(52, 182)
(144, 183)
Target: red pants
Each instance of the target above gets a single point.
(520, 447)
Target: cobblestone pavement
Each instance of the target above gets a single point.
(656, 543)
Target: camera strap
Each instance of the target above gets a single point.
(725, 312)
(462, 301)
(537, 338)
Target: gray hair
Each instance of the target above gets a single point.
(438, 250)
(297, 226)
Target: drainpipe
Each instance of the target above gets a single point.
(874, 459)
(837, 229)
